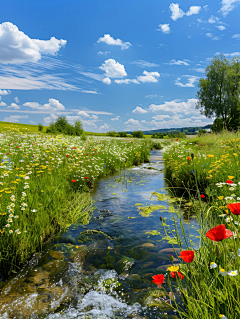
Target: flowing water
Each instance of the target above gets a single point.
(104, 269)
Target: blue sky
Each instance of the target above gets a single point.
(115, 65)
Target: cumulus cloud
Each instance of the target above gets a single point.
(164, 28)
(113, 69)
(117, 118)
(177, 12)
(111, 41)
(159, 117)
(53, 105)
(132, 121)
(16, 99)
(13, 106)
(83, 114)
(213, 19)
(220, 27)
(17, 47)
(235, 36)
(103, 52)
(175, 106)
(151, 96)
(104, 127)
(148, 77)
(191, 79)
(107, 81)
(178, 62)
(139, 110)
(228, 5)
(15, 118)
(5, 92)
(3, 104)
(47, 120)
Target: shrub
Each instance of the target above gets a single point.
(40, 127)
(138, 134)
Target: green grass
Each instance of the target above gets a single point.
(201, 166)
(43, 185)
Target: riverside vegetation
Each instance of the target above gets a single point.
(44, 186)
(207, 170)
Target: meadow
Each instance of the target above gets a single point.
(206, 170)
(45, 182)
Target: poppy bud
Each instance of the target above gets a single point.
(192, 155)
(160, 218)
(171, 257)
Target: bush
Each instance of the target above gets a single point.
(138, 134)
(111, 133)
(62, 126)
(40, 127)
(122, 134)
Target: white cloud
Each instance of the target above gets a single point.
(5, 92)
(104, 127)
(200, 70)
(53, 105)
(117, 118)
(179, 13)
(160, 117)
(191, 79)
(227, 6)
(113, 69)
(17, 47)
(213, 19)
(127, 81)
(151, 96)
(145, 64)
(3, 104)
(111, 41)
(107, 81)
(221, 27)
(164, 28)
(236, 36)
(132, 121)
(103, 53)
(231, 55)
(205, 7)
(178, 62)
(49, 119)
(209, 35)
(193, 10)
(14, 106)
(148, 77)
(176, 106)
(176, 11)
(16, 99)
(83, 114)
(139, 110)
(32, 122)
(15, 118)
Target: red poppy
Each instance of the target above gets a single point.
(180, 275)
(202, 196)
(67, 155)
(219, 233)
(74, 148)
(17, 146)
(229, 181)
(7, 153)
(87, 154)
(158, 279)
(234, 208)
(187, 255)
(73, 180)
(86, 177)
(189, 158)
(173, 274)
(176, 139)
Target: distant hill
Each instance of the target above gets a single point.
(187, 130)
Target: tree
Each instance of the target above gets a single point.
(40, 127)
(218, 94)
(138, 134)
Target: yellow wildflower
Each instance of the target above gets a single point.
(173, 268)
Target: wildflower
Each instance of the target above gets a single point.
(219, 233)
(202, 196)
(67, 155)
(234, 208)
(213, 265)
(228, 219)
(173, 268)
(233, 273)
(158, 279)
(189, 158)
(10, 231)
(223, 317)
(222, 271)
(229, 198)
(229, 181)
(220, 197)
(73, 180)
(210, 155)
(86, 177)
(33, 210)
(230, 177)
(187, 255)
(222, 215)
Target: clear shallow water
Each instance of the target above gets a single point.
(104, 269)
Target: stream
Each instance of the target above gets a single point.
(104, 270)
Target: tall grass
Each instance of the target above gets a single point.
(207, 168)
(43, 185)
